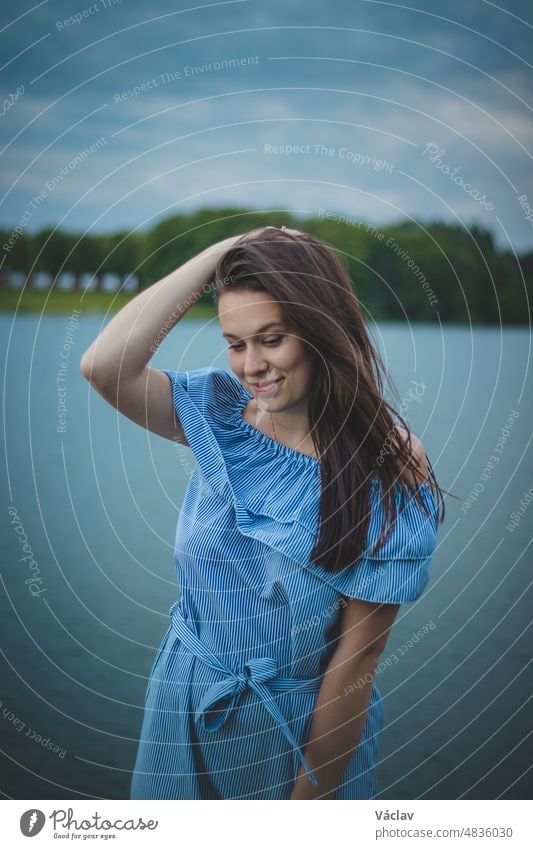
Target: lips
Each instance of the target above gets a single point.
(267, 386)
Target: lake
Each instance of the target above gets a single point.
(95, 499)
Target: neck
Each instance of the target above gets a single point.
(288, 426)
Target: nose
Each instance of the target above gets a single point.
(254, 361)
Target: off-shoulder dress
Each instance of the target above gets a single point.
(232, 689)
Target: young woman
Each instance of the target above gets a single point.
(311, 516)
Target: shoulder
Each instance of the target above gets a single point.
(214, 389)
(417, 454)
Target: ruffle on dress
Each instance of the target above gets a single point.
(275, 492)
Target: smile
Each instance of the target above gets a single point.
(267, 387)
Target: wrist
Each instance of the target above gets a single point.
(218, 249)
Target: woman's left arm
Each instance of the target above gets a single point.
(341, 707)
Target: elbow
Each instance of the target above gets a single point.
(360, 653)
(85, 366)
(367, 658)
(94, 370)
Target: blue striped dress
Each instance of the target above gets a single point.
(232, 689)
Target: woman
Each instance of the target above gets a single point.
(311, 516)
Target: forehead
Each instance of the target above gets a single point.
(247, 312)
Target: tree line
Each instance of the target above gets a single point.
(430, 271)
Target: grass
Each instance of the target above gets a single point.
(58, 303)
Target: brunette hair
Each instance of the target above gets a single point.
(352, 426)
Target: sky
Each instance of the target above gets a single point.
(117, 113)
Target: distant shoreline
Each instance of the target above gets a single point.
(93, 303)
(108, 303)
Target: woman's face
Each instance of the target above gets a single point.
(263, 349)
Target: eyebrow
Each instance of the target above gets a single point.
(259, 329)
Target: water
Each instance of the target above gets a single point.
(98, 503)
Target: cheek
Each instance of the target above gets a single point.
(293, 356)
(235, 362)
(306, 370)
(302, 361)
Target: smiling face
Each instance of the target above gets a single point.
(264, 350)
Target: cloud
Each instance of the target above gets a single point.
(402, 92)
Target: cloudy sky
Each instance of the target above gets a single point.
(377, 110)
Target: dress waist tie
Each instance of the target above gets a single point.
(260, 674)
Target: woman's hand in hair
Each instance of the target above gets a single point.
(285, 230)
(220, 248)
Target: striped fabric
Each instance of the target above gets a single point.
(233, 685)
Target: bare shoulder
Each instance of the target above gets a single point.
(418, 455)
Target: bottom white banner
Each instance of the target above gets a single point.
(169, 823)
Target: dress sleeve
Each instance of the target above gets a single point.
(213, 391)
(203, 399)
(400, 570)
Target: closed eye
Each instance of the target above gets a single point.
(274, 340)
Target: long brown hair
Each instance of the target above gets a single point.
(352, 425)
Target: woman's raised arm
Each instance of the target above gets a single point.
(116, 362)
